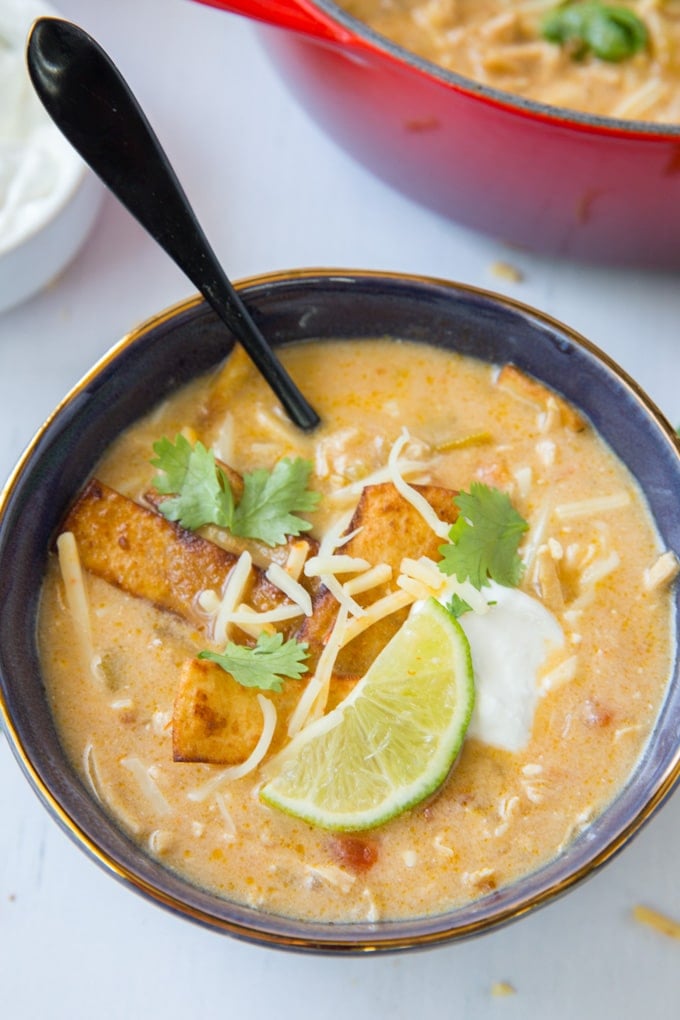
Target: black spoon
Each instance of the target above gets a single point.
(92, 105)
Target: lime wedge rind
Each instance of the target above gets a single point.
(393, 741)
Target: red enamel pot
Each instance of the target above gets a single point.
(568, 184)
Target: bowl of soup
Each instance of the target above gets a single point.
(542, 143)
(386, 684)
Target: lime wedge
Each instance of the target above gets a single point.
(392, 741)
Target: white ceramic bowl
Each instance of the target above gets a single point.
(49, 199)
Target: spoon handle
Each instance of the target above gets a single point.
(93, 106)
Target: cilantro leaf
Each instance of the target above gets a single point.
(199, 493)
(265, 665)
(611, 31)
(269, 499)
(458, 606)
(484, 539)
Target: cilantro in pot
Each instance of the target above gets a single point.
(611, 32)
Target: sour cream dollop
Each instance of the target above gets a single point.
(38, 167)
(509, 642)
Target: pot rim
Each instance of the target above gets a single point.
(329, 938)
(517, 105)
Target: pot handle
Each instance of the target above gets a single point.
(295, 15)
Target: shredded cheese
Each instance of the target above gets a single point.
(76, 599)
(591, 507)
(232, 595)
(160, 841)
(279, 428)
(555, 549)
(546, 451)
(317, 566)
(424, 570)
(147, 785)
(372, 913)
(255, 628)
(370, 578)
(536, 535)
(227, 775)
(561, 674)
(335, 877)
(223, 443)
(599, 569)
(523, 477)
(378, 610)
(209, 601)
(315, 694)
(382, 474)
(91, 770)
(247, 615)
(548, 420)
(414, 587)
(479, 877)
(638, 103)
(417, 501)
(331, 582)
(441, 847)
(664, 570)
(229, 825)
(290, 587)
(344, 539)
(330, 541)
(295, 561)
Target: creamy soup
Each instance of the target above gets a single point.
(503, 44)
(570, 667)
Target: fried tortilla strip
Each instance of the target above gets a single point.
(523, 386)
(215, 719)
(261, 553)
(218, 721)
(388, 529)
(142, 553)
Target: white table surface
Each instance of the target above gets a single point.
(273, 192)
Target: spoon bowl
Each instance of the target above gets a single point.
(93, 106)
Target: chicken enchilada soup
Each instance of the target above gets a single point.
(372, 672)
(617, 60)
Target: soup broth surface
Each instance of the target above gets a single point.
(500, 44)
(591, 559)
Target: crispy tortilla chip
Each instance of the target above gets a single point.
(218, 721)
(147, 556)
(390, 528)
(215, 719)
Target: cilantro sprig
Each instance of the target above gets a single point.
(265, 665)
(199, 493)
(609, 31)
(484, 539)
(457, 606)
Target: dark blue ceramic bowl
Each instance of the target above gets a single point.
(171, 349)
